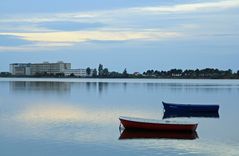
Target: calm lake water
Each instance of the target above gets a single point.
(65, 117)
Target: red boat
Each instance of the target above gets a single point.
(151, 124)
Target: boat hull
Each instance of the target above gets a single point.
(129, 124)
(190, 108)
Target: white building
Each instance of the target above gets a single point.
(78, 72)
(38, 68)
(50, 68)
(20, 69)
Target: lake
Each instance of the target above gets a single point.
(67, 117)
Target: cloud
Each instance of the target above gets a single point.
(83, 36)
(109, 15)
(12, 40)
(55, 40)
(36, 46)
(181, 8)
(69, 26)
(126, 24)
(22, 27)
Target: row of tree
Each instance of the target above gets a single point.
(105, 73)
(207, 73)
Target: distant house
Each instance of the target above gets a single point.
(136, 74)
(176, 75)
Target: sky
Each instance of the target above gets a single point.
(133, 34)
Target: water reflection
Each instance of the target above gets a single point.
(147, 134)
(103, 87)
(35, 86)
(89, 121)
(175, 114)
(91, 86)
(61, 113)
(62, 87)
(197, 87)
(63, 122)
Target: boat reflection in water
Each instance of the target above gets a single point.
(150, 134)
(174, 114)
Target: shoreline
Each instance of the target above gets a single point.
(146, 78)
(126, 80)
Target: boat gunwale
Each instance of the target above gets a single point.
(155, 121)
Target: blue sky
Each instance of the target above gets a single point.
(133, 34)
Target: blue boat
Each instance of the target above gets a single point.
(190, 107)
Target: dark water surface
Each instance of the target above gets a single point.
(64, 117)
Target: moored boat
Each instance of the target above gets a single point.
(149, 134)
(151, 124)
(190, 107)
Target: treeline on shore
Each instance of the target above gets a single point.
(207, 73)
(101, 72)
